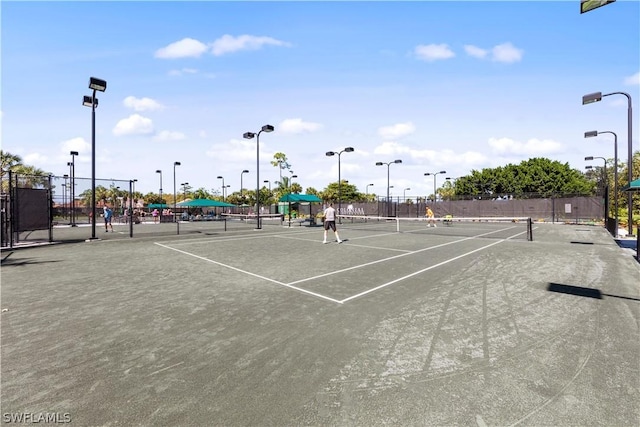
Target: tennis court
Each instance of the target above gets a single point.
(459, 324)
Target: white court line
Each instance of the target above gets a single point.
(227, 238)
(252, 274)
(345, 240)
(396, 256)
(417, 272)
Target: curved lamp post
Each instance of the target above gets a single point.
(592, 134)
(435, 196)
(605, 184)
(241, 187)
(161, 202)
(73, 187)
(223, 187)
(596, 97)
(388, 164)
(333, 153)
(250, 135)
(95, 84)
(184, 189)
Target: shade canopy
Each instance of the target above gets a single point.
(204, 203)
(157, 206)
(297, 198)
(633, 186)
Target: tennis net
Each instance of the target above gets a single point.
(486, 227)
(251, 220)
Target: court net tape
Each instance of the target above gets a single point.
(489, 227)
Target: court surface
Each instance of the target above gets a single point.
(272, 327)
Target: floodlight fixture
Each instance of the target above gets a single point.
(250, 135)
(591, 134)
(97, 84)
(591, 98)
(89, 101)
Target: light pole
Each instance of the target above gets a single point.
(404, 194)
(266, 181)
(64, 194)
(161, 201)
(95, 84)
(388, 164)
(184, 189)
(174, 189)
(333, 153)
(593, 133)
(367, 189)
(435, 197)
(223, 187)
(605, 183)
(70, 165)
(73, 187)
(250, 135)
(133, 193)
(241, 187)
(595, 97)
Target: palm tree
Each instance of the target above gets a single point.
(8, 161)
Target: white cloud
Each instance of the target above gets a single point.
(396, 131)
(235, 150)
(185, 48)
(182, 71)
(134, 125)
(296, 126)
(475, 51)
(142, 104)
(433, 52)
(167, 135)
(506, 52)
(34, 159)
(75, 144)
(533, 147)
(633, 80)
(229, 44)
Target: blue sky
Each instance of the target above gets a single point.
(452, 86)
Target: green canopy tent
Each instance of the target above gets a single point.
(297, 198)
(633, 186)
(157, 206)
(300, 198)
(204, 203)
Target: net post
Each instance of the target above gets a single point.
(529, 229)
(397, 224)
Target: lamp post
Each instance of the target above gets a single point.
(435, 196)
(596, 97)
(404, 194)
(95, 84)
(64, 194)
(388, 164)
(366, 190)
(174, 189)
(241, 187)
(333, 153)
(223, 187)
(70, 165)
(605, 184)
(250, 135)
(266, 181)
(161, 201)
(184, 189)
(73, 187)
(593, 133)
(133, 193)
